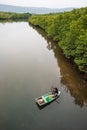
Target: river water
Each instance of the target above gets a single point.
(30, 64)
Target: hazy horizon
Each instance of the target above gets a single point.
(46, 3)
(36, 7)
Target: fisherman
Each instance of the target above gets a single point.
(55, 91)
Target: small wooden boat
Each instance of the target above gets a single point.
(47, 98)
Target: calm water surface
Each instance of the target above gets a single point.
(29, 65)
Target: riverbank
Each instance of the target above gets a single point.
(14, 16)
(69, 30)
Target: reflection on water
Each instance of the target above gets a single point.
(71, 78)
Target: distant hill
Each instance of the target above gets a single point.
(35, 10)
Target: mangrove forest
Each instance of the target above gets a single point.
(69, 30)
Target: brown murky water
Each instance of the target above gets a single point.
(30, 64)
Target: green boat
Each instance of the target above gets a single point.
(47, 98)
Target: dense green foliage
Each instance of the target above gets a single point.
(69, 29)
(14, 16)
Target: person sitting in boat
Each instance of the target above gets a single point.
(55, 91)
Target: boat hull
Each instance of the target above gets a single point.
(47, 98)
